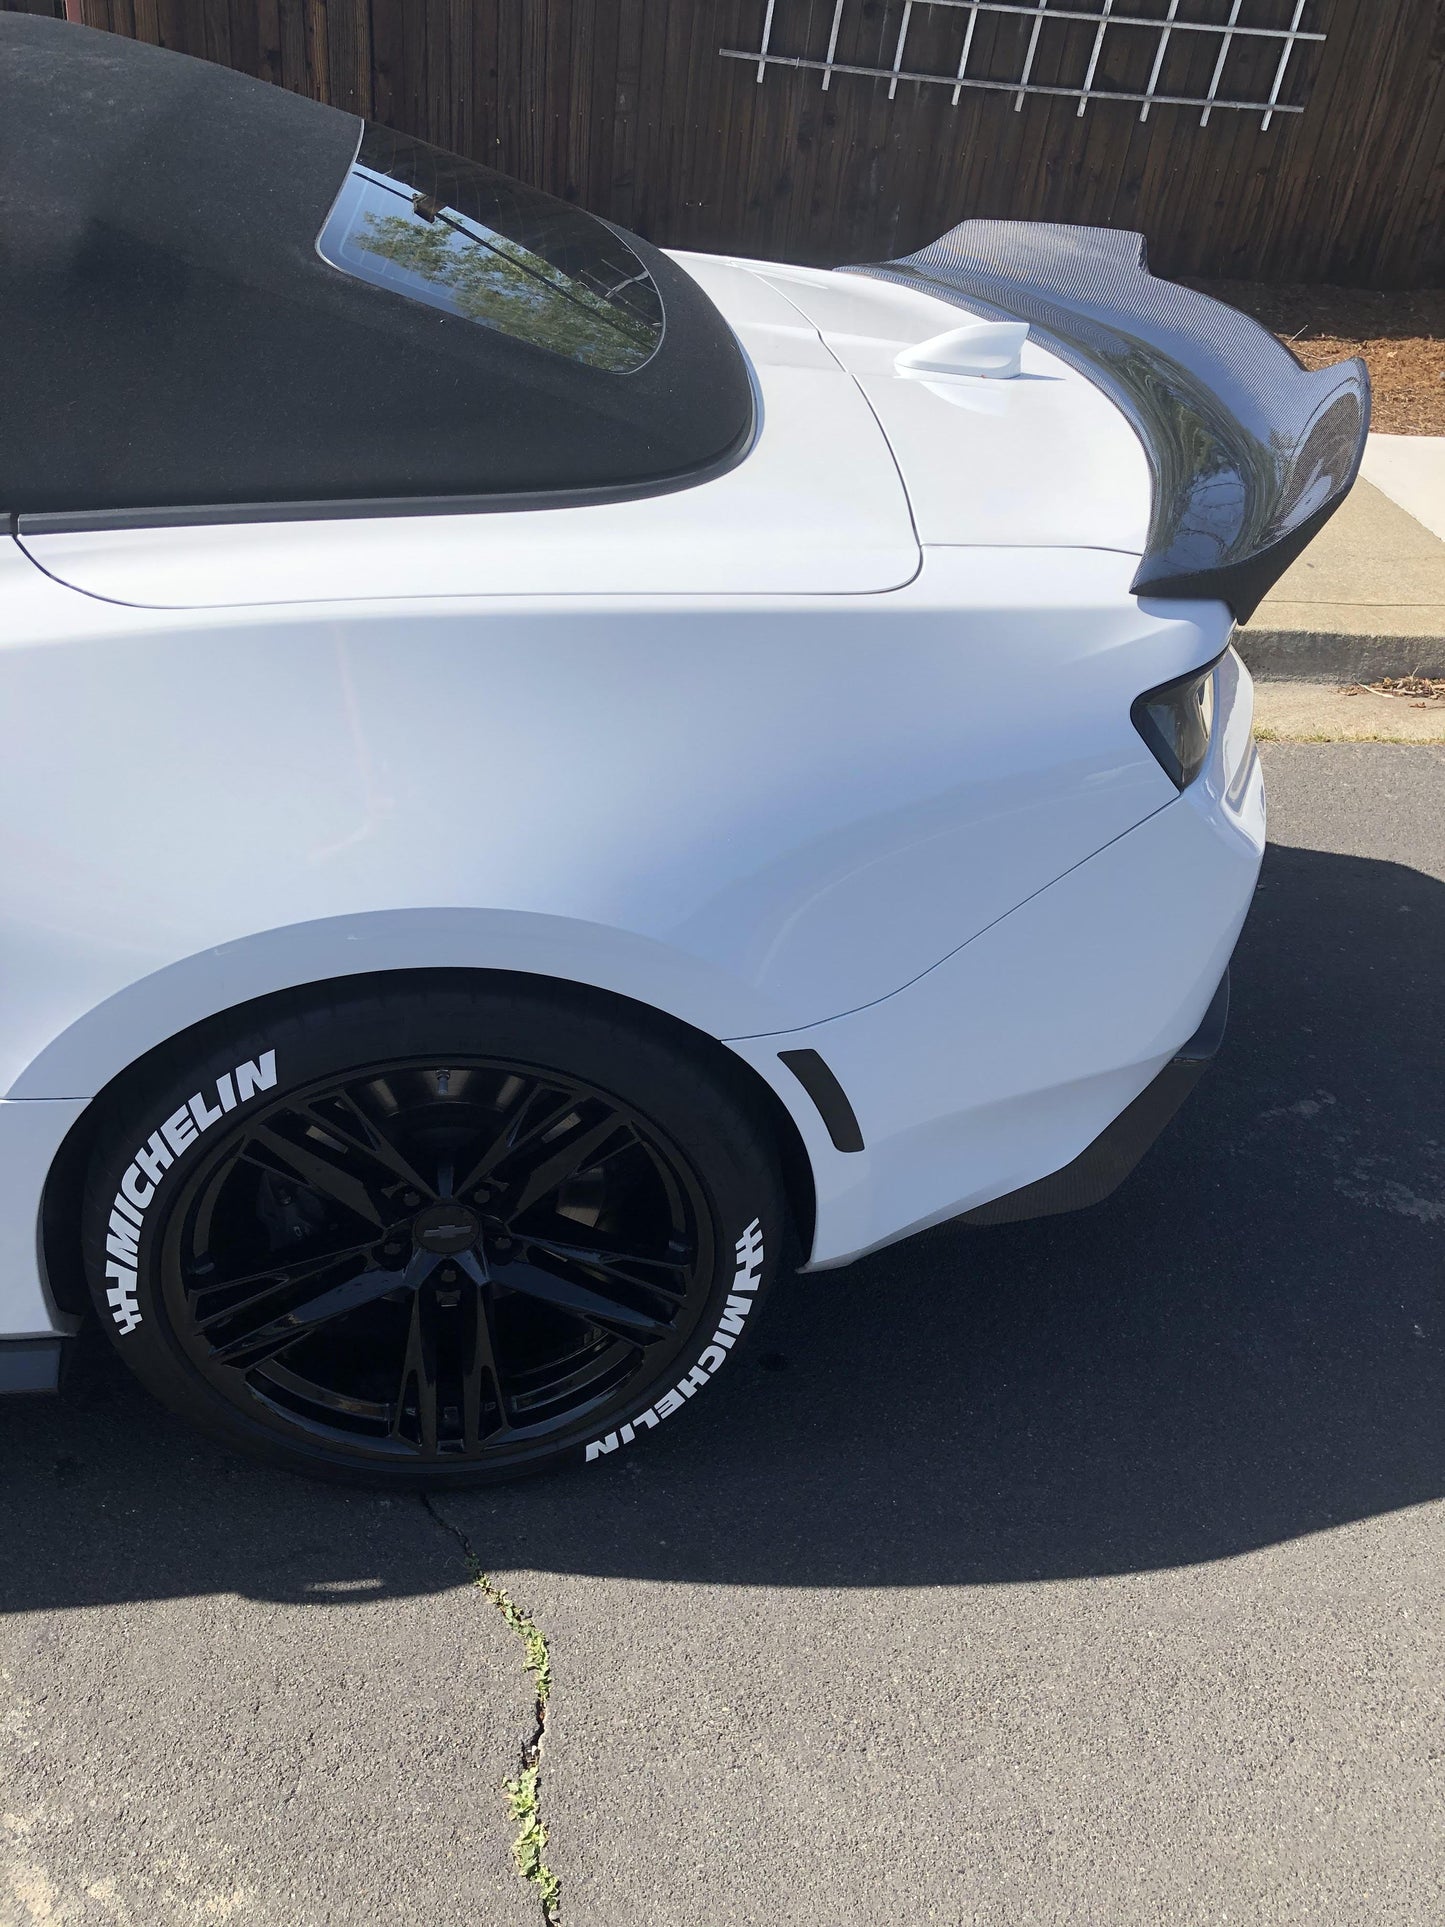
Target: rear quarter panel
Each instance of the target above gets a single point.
(754, 813)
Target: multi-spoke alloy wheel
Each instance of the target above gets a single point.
(511, 1234)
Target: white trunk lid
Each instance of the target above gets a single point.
(1044, 460)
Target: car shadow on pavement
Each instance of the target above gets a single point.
(1245, 1344)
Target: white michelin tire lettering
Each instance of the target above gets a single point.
(140, 1181)
(121, 1297)
(130, 1187)
(155, 1158)
(123, 1242)
(746, 1280)
(179, 1130)
(251, 1078)
(733, 1313)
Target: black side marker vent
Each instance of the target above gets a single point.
(829, 1096)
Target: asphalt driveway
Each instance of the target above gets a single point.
(1087, 1570)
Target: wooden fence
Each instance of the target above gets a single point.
(629, 107)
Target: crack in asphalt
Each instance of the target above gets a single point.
(523, 1793)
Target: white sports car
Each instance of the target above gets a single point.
(545, 778)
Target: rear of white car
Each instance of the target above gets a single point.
(1026, 1072)
(482, 916)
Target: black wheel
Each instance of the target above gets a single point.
(429, 1235)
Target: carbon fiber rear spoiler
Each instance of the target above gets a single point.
(1250, 453)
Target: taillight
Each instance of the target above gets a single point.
(1175, 721)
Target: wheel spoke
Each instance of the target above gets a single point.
(318, 1172)
(596, 1252)
(564, 1163)
(513, 1137)
(551, 1288)
(279, 1277)
(249, 1348)
(365, 1137)
(612, 1263)
(419, 1374)
(480, 1368)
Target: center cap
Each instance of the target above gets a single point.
(446, 1228)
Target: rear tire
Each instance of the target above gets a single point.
(429, 1235)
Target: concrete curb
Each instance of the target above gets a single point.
(1322, 655)
(1367, 597)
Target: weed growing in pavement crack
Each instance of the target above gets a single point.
(524, 1793)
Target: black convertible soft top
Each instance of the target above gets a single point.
(220, 299)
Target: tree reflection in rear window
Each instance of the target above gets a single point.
(450, 232)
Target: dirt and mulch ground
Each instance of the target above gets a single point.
(1419, 691)
(1401, 337)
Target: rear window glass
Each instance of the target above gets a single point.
(450, 232)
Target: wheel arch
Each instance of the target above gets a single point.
(59, 1213)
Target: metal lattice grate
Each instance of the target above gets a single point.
(1255, 29)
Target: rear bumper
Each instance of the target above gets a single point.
(1099, 1171)
(1000, 1069)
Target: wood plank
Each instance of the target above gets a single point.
(348, 55)
(318, 57)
